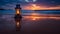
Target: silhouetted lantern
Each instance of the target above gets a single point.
(18, 9)
(18, 17)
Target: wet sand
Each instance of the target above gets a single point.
(30, 25)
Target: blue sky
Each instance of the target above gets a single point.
(11, 3)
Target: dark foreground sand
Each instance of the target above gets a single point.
(42, 25)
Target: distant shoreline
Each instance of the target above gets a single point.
(2, 9)
(34, 10)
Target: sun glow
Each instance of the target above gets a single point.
(35, 7)
(39, 7)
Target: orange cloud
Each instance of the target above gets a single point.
(38, 7)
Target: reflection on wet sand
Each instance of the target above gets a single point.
(30, 24)
(18, 22)
(36, 16)
(39, 17)
(18, 25)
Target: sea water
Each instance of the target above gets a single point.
(25, 12)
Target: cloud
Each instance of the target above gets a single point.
(47, 4)
(39, 7)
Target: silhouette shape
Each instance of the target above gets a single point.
(18, 17)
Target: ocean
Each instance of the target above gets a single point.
(31, 11)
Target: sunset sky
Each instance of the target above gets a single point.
(31, 4)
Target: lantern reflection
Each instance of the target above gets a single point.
(18, 22)
(18, 25)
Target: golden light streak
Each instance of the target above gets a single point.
(36, 16)
(39, 7)
(34, 19)
(31, 17)
(41, 17)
